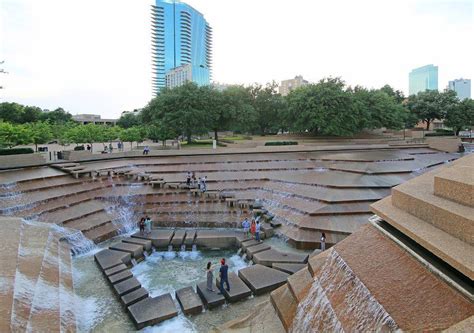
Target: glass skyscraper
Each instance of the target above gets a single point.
(462, 87)
(180, 37)
(423, 78)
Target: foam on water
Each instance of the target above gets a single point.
(178, 324)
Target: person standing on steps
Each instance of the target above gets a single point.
(147, 225)
(210, 276)
(246, 226)
(253, 228)
(323, 241)
(257, 231)
(193, 179)
(203, 184)
(223, 274)
(188, 179)
(141, 224)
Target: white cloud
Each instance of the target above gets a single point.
(94, 56)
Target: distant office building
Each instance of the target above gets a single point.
(178, 76)
(180, 36)
(288, 85)
(462, 87)
(85, 119)
(423, 78)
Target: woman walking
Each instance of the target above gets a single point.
(253, 228)
(141, 224)
(323, 241)
(210, 276)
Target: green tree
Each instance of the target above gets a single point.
(11, 112)
(132, 134)
(269, 106)
(128, 120)
(396, 94)
(159, 132)
(460, 116)
(30, 114)
(89, 133)
(238, 102)
(12, 135)
(431, 104)
(57, 116)
(39, 133)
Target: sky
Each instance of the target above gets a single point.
(94, 56)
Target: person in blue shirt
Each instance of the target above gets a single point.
(223, 274)
(257, 231)
(246, 226)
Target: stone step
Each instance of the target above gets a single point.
(134, 297)
(127, 286)
(136, 250)
(271, 256)
(247, 243)
(90, 222)
(11, 228)
(300, 283)
(160, 239)
(261, 279)
(101, 233)
(34, 238)
(152, 311)
(417, 198)
(45, 307)
(109, 258)
(285, 305)
(114, 270)
(178, 237)
(289, 268)
(189, 301)
(210, 299)
(252, 250)
(190, 237)
(144, 242)
(119, 277)
(74, 212)
(456, 184)
(67, 296)
(238, 289)
(222, 239)
(315, 263)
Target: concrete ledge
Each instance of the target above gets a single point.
(127, 286)
(115, 270)
(159, 238)
(135, 250)
(269, 257)
(178, 238)
(190, 236)
(262, 279)
(144, 242)
(247, 243)
(119, 277)
(289, 268)
(209, 298)
(300, 283)
(189, 301)
(215, 239)
(110, 258)
(456, 183)
(251, 250)
(285, 305)
(238, 289)
(152, 311)
(134, 297)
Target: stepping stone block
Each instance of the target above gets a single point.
(144, 242)
(115, 270)
(127, 286)
(240, 238)
(159, 238)
(288, 268)
(119, 277)
(178, 237)
(238, 289)
(134, 249)
(110, 258)
(152, 311)
(189, 301)
(267, 229)
(269, 257)
(248, 243)
(262, 279)
(221, 239)
(190, 236)
(209, 298)
(134, 296)
(251, 250)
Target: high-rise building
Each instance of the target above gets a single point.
(462, 87)
(288, 85)
(178, 76)
(180, 36)
(423, 78)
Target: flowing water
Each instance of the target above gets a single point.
(338, 301)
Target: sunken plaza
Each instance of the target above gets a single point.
(398, 219)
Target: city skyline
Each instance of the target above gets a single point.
(105, 68)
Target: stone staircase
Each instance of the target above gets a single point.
(37, 291)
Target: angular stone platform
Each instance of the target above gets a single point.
(300, 283)
(119, 277)
(110, 258)
(136, 250)
(127, 286)
(211, 239)
(159, 238)
(252, 250)
(190, 236)
(289, 268)
(456, 184)
(115, 270)
(285, 305)
(246, 243)
(210, 299)
(189, 301)
(144, 242)
(269, 257)
(178, 238)
(238, 289)
(262, 279)
(134, 297)
(152, 311)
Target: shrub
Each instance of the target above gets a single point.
(450, 133)
(281, 143)
(16, 151)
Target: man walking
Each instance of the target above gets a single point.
(257, 231)
(223, 274)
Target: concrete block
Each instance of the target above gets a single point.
(209, 298)
(190, 236)
(127, 286)
(189, 301)
(134, 249)
(159, 238)
(269, 257)
(134, 297)
(144, 242)
(300, 283)
(110, 258)
(115, 270)
(238, 289)
(152, 311)
(222, 239)
(178, 238)
(251, 250)
(261, 279)
(119, 277)
(289, 268)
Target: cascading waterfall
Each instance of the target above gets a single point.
(76, 239)
(339, 301)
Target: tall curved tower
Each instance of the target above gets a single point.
(181, 45)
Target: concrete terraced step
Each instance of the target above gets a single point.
(67, 296)
(89, 222)
(152, 311)
(73, 212)
(189, 301)
(102, 233)
(41, 184)
(417, 198)
(159, 238)
(309, 239)
(238, 289)
(300, 283)
(271, 256)
(456, 184)
(285, 305)
(261, 279)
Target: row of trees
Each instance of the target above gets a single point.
(21, 114)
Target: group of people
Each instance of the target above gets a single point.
(252, 229)
(191, 181)
(145, 225)
(223, 275)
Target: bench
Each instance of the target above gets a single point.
(157, 183)
(212, 194)
(230, 202)
(245, 203)
(77, 173)
(174, 185)
(143, 176)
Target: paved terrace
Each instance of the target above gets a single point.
(307, 190)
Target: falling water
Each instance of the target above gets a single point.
(80, 245)
(134, 262)
(357, 310)
(170, 248)
(194, 248)
(183, 248)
